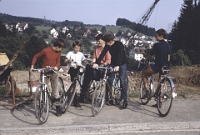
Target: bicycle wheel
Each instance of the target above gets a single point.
(98, 98)
(41, 103)
(117, 90)
(70, 95)
(144, 101)
(164, 99)
(62, 96)
(90, 91)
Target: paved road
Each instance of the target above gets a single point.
(184, 116)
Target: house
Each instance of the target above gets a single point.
(54, 33)
(87, 32)
(64, 29)
(21, 26)
(137, 53)
(9, 27)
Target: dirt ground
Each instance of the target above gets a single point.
(186, 79)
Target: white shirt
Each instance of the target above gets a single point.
(75, 57)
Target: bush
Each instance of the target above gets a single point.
(179, 58)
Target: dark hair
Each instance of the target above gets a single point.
(161, 32)
(98, 37)
(59, 43)
(76, 43)
(108, 37)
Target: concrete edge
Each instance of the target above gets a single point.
(127, 127)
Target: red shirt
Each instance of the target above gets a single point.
(50, 57)
(106, 58)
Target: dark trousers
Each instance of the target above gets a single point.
(123, 80)
(73, 73)
(90, 74)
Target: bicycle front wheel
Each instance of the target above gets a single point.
(164, 99)
(98, 98)
(41, 103)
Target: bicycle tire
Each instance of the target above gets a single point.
(70, 94)
(164, 99)
(41, 104)
(98, 98)
(117, 90)
(144, 101)
(62, 94)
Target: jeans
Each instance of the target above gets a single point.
(123, 80)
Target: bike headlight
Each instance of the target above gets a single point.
(81, 70)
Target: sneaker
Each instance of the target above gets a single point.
(56, 101)
(58, 111)
(123, 104)
(146, 95)
(109, 102)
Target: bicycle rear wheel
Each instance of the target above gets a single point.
(164, 99)
(41, 103)
(144, 101)
(98, 98)
(70, 95)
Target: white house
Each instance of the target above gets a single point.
(137, 53)
(54, 33)
(21, 26)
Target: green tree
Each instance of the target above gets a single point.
(103, 30)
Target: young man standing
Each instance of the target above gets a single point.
(99, 58)
(118, 62)
(51, 57)
(161, 50)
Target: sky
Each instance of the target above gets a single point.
(103, 12)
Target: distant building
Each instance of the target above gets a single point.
(54, 33)
(21, 26)
(137, 53)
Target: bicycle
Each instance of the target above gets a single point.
(164, 93)
(43, 99)
(78, 79)
(114, 94)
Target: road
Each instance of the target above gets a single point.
(183, 118)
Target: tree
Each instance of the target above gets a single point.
(185, 32)
(103, 30)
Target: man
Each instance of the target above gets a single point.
(99, 58)
(161, 50)
(118, 62)
(51, 57)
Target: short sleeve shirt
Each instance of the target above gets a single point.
(161, 50)
(75, 57)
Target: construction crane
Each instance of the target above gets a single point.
(146, 16)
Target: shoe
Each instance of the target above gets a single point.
(109, 102)
(77, 104)
(58, 111)
(56, 101)
(146, 95)
(123, 104)
(155, 105)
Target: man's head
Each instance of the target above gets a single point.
(160, 34)
(99, 40)
(109, 39)
(59, 44)
(76, 46)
